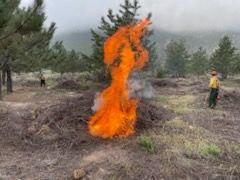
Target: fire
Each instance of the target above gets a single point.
(123, 54)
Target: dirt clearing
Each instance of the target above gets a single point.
(44, 135)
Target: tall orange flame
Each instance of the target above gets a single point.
(123, 53)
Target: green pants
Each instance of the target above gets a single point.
(213, 98)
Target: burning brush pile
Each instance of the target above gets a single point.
(116, 112)
(68, 120)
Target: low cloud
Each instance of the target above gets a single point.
(169, 15)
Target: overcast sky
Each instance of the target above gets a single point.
(169, 15)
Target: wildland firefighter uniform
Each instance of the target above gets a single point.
(214, 86)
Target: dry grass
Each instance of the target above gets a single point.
(197, 143)
(193, 144)
(179, 104)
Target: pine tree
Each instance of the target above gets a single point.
(177, 57)
(127, 14)
(64, 61)
(223, 56)
(7, 8)
(58, 56)
(199, 62)
(235, 65)
(21, 36)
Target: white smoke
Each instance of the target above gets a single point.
(98, 101)
(141, 89)
(137, 89)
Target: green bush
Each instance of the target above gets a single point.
(161, 73)
(147, 143)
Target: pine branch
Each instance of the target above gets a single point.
(22, 24)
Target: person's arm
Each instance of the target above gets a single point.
(211, 83)
(218, 85)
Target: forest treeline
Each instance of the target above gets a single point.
(25, 46)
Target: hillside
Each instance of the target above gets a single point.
(81, 41)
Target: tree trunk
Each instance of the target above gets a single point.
(3, 77)
(9, 81)
(224, 75)
(1, 96)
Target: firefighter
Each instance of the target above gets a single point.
(214, 86)
(42, 80)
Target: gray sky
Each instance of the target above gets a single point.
(169, 15)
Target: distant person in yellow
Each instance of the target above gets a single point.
(42, 80)
(214, 86)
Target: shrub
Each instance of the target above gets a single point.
(161, 73)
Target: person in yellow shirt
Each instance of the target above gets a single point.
(42, 80)
(214, 86)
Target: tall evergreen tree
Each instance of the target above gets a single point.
(64, 61)
(127, 14)
(7, 9)
(223, 56)
(59, 56)
(199, 62)
(21, 36)
(235, 65)
(177, 57)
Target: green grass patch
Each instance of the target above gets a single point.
(147, 143)
(210, 150)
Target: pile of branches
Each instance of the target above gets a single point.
(74, 111)
(64, 122)
(14, 124)
(164, 83)
(69, 112)
(151, 116)
(68, 85)
(68, 119)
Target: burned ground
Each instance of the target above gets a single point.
(44, 135)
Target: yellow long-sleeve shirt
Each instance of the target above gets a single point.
(214, 83)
